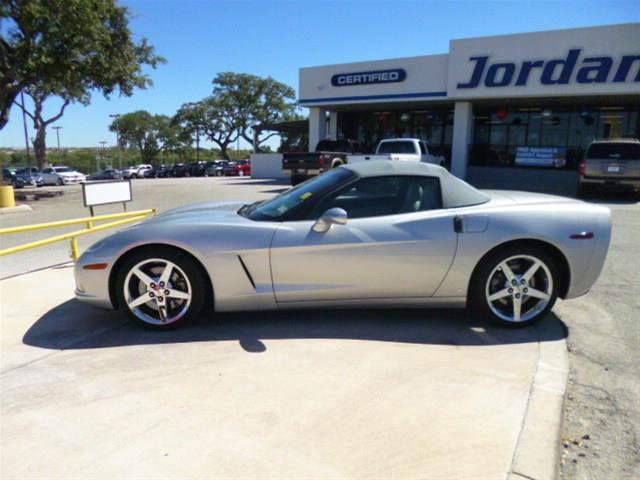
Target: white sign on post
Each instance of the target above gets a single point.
(103, 193)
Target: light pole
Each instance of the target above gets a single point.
(116, 116)
(57, 129)
(103, 143)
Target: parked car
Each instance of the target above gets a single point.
(21, 177)
(128, 171)
(196, 169)
(140, 170)
(327, 155)
(108, 174)
(242, 168)
(402, 150)
(372, 234)
(229, 168)
(610, 163)
(215, 168)
(178, 170)
(157, 171)
(62, 176)
(8, 173)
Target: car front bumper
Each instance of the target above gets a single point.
(92, 286)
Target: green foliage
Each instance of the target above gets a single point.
(150, 134)
(249, 100)
(69, 48)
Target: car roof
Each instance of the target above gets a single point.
(377, 168)
(455, 192)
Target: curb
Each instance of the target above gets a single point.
(537, 454)
(16, 209)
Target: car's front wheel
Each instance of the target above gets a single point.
(160, 289)
(60, 182)
(515, 286)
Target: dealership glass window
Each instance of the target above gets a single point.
(582, 129)
(611, 124)
(555, 127)
(533, 128)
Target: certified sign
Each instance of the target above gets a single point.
(368, 78)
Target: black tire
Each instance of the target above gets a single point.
(185, 263)
(218, 173)
(478, 301)
(337, 162)
(60, 182)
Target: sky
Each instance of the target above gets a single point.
(200, 38)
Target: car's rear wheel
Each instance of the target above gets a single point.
(160, 289)
(515, 286)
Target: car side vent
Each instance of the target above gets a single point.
(246, 271)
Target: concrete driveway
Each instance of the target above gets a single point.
(324, 394)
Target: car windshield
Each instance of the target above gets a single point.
(299, 195)
(397, 147)
(614, 151)
(62, 169)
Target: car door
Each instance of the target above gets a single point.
(47, 176)
(397, 243)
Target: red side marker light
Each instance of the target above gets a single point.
(95, 266)
(581, 236)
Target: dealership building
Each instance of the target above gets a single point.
(524, 100)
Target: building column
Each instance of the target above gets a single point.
(333, 125)
(317, 126)
(462, 138)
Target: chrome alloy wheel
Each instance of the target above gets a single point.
(519, 288)
(157, 291)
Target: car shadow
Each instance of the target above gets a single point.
(73, 325)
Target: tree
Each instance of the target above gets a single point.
(68, 49)
(211, 118)
(148, 133)
(251, 100)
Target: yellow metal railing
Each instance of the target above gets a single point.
(90, 228)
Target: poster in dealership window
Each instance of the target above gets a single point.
(554, 157)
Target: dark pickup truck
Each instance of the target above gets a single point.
(329, 154)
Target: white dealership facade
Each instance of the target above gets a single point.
(500, 101)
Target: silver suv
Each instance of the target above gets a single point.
(614, 162)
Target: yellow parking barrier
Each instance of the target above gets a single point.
(123, 218)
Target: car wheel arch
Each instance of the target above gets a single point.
(113, 274)
(553, 251)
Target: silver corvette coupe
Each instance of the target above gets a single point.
(385, 233)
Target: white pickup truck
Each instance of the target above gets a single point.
(400, 149)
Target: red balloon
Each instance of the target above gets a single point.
(502, 114)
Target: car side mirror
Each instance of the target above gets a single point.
(328, 218)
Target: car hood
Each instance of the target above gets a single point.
(208, 212)
(69, 174)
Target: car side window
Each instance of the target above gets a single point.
(46, 170)
(379, 196)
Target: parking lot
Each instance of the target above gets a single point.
(366, 394)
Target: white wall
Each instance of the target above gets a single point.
(267, 165)
(427, 74)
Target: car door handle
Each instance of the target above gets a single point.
(458, 224)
